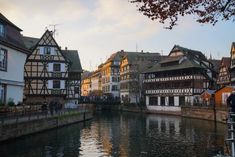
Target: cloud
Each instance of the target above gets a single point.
(96, 28)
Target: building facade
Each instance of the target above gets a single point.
(177, 80)
(12, 59)
(110, 75)
(131, 67)
(232, 64)
(223, 78)
(51, 73)
(96, 86)
(86, 86)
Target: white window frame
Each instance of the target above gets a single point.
(3, 59)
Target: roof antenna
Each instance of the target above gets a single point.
(54, 29)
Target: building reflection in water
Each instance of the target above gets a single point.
(124, 135)
(174, 135)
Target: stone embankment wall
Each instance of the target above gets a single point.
(11, 131)
(207, 113)
(200, 112)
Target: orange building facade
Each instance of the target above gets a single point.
(222, 94)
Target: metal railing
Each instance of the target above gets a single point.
(231, 133)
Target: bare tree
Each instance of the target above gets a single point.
(205, 11)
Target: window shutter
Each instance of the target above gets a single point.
(50, 84)
(52, 51)
(62, 67)
(41, 50)
(62, 84)
(50, 67)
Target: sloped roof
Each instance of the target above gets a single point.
(231, 87)
(216, 64)
(86, 74)
(209, 91)
(30, 42)
(73, 57)
(133, 56)
(185, 64)
(226, 61)
(3, 18)
(13, 37)
(171, 59)
(187, 51)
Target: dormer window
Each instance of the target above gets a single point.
(2, 30)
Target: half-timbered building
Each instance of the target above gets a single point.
(13, 55)
(223, 78)
(177, 80)
(51, 73)
(131, 67)
(232, 65)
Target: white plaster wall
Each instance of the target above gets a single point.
(14, 92)
(14, 76)
(15, 65)
(163, 108)
(62, 84)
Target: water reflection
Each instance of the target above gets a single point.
(124, 135)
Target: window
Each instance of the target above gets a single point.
(76, 90)
(3, 60)
(56, 67)
(171, 101)
(56, 83)
(114, 88)
(47, 50)
(153, 101)
(162, 101)
(2, 93)
(2, 30)
(181, 100)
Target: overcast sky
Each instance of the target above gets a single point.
(98, 28)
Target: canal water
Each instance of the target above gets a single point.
(124, 135)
